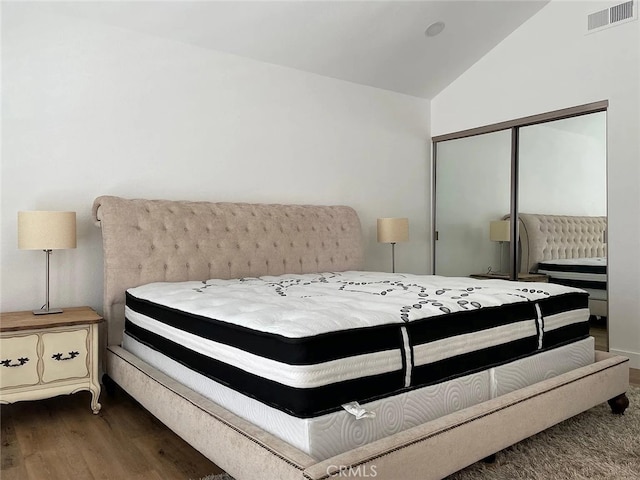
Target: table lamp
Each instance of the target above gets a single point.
(500, 231)
(47, 231)
(393, 230)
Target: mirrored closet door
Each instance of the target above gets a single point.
(562, 189)
(562, 166)
(549, 171)
(473, 185)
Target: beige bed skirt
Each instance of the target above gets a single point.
(429, 451)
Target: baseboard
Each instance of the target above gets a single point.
(634, 357)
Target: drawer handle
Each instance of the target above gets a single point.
(21, 361)
(58, 356)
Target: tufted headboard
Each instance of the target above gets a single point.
(148, 241)
(548, 237)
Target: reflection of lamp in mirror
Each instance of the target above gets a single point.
(392, 230)
(46, 231)
(500, 231)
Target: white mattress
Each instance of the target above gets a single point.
(337, 301)
(327, 435)
(594, 273)
(574, 266)
(307, 344)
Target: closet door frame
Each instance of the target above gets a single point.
(514, 126)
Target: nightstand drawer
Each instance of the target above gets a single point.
(19, 362)
(65, 355)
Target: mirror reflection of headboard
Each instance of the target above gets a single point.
(548, 237)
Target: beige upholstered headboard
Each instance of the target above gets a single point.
(148, 241)
(548, 237)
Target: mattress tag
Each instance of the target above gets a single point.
(357, 411)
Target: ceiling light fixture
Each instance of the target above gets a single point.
(434, 29)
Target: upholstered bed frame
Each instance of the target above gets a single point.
(548, 237)
(146, 241)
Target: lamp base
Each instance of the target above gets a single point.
(47, 312)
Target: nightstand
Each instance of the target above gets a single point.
(522, 277)
(42, 356)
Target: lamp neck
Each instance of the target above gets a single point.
(393, 257)
(48, 255)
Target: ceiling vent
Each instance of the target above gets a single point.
(612, 16)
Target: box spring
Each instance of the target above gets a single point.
(330, 434)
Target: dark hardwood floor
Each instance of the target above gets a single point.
(598, 330)
(60, 439)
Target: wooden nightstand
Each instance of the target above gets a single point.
(522, 277)
(42, 356)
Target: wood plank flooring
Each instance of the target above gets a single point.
(598, 330)
(60, 439)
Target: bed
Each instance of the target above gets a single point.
(570, 250)
(276, 409)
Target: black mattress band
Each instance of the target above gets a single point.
(300, 402)
(293, 351)
(574, 268)
(594, 285)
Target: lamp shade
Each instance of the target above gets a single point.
(500, 231)
(392, 230)
(40, 230)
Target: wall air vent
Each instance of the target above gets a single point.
(621, 12)
(613, 16)
(598, 20)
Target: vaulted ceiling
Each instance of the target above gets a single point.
(377, 43)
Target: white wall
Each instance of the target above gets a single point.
(90, 110)
(547, 64)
